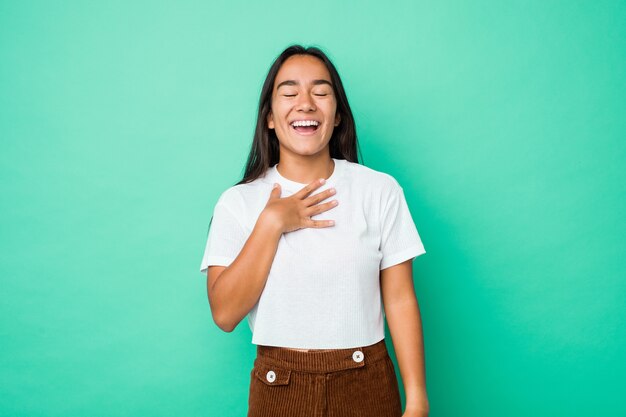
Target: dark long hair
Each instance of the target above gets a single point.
(264, 152)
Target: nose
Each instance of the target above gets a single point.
(305, 103)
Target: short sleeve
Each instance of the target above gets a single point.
(400, 239)
(225, 238)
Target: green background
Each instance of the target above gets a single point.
(121, 123)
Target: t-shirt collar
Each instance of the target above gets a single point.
(273, 176)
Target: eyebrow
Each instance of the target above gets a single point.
(294, 82)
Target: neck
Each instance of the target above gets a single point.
(305, 169)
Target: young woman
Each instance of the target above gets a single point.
(309, 245)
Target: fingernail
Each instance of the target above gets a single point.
(322, 180)
(275, 185)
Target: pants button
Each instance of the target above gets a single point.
(271, 376)
(357, 356)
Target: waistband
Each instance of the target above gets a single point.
(321, 361)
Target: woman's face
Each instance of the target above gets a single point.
(303, 106)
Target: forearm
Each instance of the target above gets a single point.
(239, 286)
(405, 326)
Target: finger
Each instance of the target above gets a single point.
(309, 188)
(314, 199)
(276, 191)
(317, 209)
(317, 224)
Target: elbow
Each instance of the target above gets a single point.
(220, 318)
(223, 322)
(224, 325)
(223, 316)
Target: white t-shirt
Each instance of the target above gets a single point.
(323, 288)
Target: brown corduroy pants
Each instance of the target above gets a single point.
(359, 381)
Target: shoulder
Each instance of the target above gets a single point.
(239, 197)
(231, 198)
(371, 178)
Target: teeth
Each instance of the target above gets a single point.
(305, 123)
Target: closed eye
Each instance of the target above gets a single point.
(293, 95)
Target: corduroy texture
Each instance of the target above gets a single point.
(359, 381)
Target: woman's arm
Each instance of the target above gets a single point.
(404, 320)
(234, 290)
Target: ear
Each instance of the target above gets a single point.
(337, 119)
(270, 120)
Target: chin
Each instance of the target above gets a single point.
(307, 150)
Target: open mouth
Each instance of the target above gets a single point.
(305, 127)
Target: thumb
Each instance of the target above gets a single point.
(275, 191)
